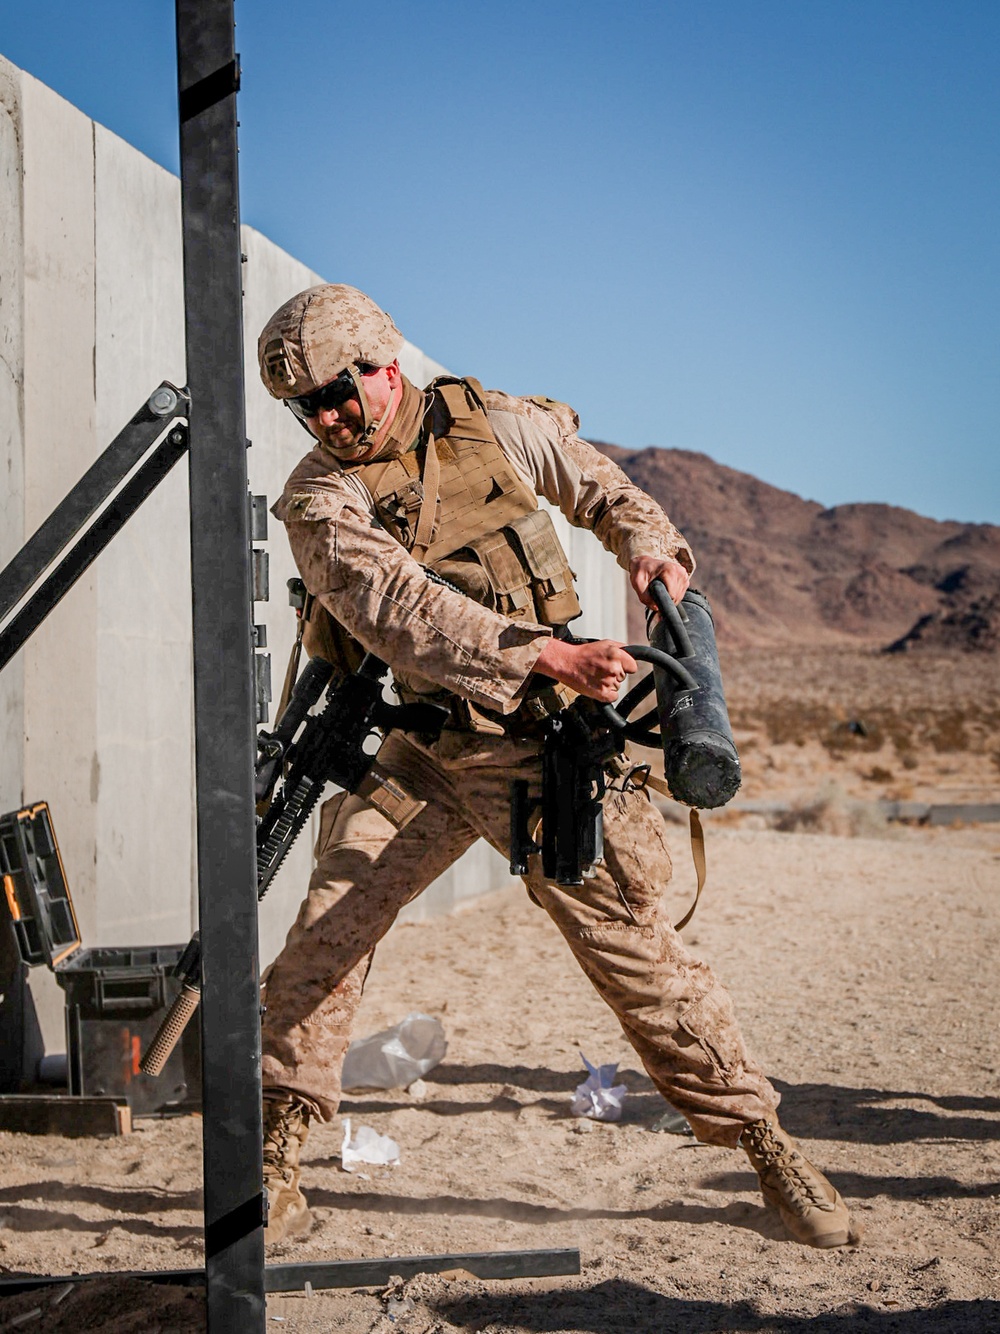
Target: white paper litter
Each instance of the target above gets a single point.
(368, 1146)
(396, 1057)
(598, 1097)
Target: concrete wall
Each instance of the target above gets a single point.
(96, 711)
(11, 414)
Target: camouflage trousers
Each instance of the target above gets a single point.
(672, 1009)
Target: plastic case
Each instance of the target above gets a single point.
(115, 996)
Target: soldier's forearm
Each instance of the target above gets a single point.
(596, 670)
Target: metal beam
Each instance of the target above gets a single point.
(345, 1273)
(375, 1273)
(84, 550)
(208, 77)
(90, 493)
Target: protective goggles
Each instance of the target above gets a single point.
(331, 395)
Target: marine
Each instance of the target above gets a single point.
(415, 524)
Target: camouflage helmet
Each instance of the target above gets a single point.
(318, 334)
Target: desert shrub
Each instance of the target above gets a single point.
(845, 729)
(948, 732)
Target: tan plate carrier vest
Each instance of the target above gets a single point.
(459, 507)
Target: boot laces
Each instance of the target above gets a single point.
(784, 1162)
(282, 1125)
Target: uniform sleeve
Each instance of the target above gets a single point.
(590, 490)
(378, 592)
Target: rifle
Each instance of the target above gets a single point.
(294, 764)
(689, 722)
(578, 744)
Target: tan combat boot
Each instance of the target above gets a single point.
(810, 1208)
(286, 1125)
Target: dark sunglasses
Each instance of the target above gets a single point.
(330, 395)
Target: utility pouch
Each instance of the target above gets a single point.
(467, 575)
(519, 570)
(509, 580)
(555, 598)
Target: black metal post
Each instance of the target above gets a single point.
(208, 76)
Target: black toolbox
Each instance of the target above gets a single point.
(115, 996)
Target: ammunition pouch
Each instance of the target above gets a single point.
(555, 598)
(519, 570)
(389, 797)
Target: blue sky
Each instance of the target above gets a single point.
(767, 230)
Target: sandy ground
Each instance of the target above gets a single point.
(864, 972)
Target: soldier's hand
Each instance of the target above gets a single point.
(644, 569)
(596, 670)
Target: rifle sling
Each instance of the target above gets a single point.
(697, 848)
(292, 670)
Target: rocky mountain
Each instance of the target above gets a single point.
(781, 570)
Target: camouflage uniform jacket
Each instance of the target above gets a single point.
(380, 594)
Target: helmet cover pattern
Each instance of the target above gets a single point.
(318, 334)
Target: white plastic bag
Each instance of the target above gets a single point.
(367, 1146)
(598, 1096)
(395, 1057)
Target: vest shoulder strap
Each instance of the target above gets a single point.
(463, 401)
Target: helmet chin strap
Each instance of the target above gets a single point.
(371, 426)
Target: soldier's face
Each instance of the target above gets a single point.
(339, 428)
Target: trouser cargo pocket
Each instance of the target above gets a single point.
(709, 1025)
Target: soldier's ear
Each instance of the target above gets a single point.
(393, 371)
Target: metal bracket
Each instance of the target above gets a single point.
(258, 518)
(96, 508)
